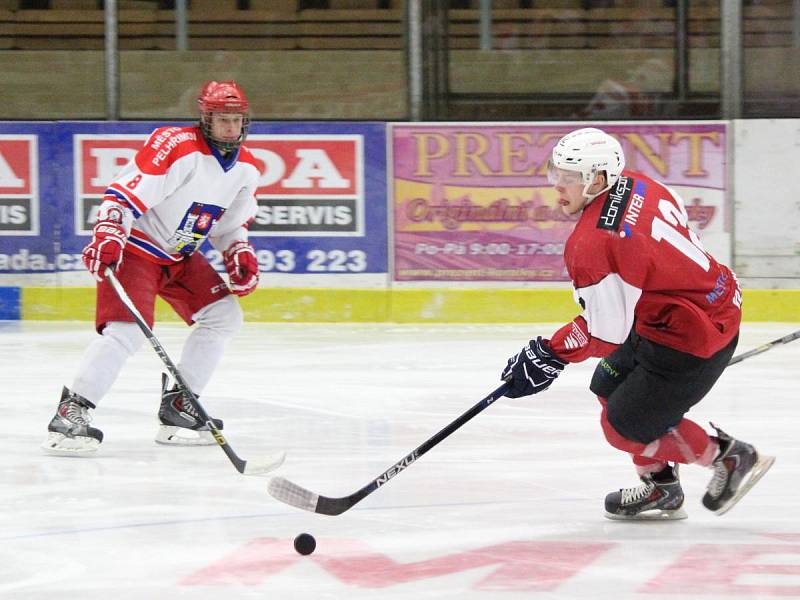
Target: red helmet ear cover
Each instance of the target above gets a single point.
(222, 96)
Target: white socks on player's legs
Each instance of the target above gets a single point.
(214, 326)
(104, 359)
(106, 355)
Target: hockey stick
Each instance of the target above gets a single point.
(764, 347)
(290, 493)
(244, 467)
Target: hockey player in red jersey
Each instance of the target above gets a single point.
(661, 314)
(185, 185)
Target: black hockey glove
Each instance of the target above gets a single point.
(532, 370)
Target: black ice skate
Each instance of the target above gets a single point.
(179, 421)
(659, 497)
(69, 431)
(737, 468)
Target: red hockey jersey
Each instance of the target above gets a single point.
(633, 259)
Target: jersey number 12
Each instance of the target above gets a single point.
(675, 216)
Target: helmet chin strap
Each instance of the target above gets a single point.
(222, 146)
(590, 197)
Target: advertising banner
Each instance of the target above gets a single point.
(471, 202)
(321, 200)
(26, 213)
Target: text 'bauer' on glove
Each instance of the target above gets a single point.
(532, 370)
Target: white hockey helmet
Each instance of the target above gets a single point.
(588, 151)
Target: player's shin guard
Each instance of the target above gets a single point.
(659, 497)
(179, 421)
(69, 432)
(737, 468)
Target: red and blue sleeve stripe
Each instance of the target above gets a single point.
(135, 204)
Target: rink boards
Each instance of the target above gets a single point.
(325, 305)
(396, 222)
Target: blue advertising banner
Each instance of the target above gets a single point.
(322, 198)
(27, 211)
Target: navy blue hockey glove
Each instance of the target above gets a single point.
(532, 370)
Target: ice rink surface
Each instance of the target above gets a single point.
(510, 506)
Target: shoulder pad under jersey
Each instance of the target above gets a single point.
(246, 156)
(166, 145)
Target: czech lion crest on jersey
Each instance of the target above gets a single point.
(195, 227)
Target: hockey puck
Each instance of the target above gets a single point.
(305, 543)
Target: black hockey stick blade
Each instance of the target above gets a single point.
(244, 467)
(290, 493)
(764, 347)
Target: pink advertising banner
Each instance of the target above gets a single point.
(471, 201)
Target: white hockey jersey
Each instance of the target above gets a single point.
(178, 189)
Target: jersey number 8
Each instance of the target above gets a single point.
(133, 182)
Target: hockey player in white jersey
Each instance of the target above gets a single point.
(185, 185)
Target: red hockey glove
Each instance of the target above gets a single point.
(532, 370)
(242, 266)
(105, 249)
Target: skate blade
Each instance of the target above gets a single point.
(171, 435)
(651, 515)
(58, 444)
(756, 473)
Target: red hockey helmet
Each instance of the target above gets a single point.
(223, 97)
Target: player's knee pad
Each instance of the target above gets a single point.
(126, 335)
(224, 316)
